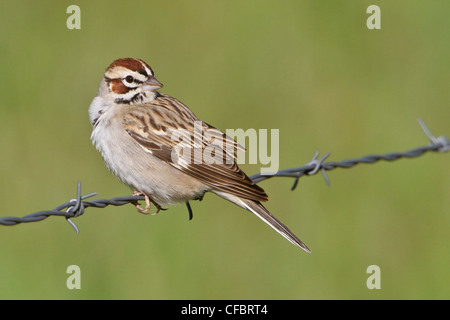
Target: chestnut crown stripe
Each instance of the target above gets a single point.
(135, 65)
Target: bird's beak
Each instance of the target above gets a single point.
(152, 84)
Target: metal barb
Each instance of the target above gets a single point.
(75, 210)
(318, 166)
(73, 225)
(78, 209)
(442, 140)
(294, 186)
(445, 142)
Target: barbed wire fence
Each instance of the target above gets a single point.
(77, 206)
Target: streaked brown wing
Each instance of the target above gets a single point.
(166, 128)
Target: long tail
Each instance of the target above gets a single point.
(257, 208)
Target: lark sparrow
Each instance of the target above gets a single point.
(134, 127)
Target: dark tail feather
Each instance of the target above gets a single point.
(257, 208)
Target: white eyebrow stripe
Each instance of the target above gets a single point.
(138, 76)
(121, 72)
(149, 71)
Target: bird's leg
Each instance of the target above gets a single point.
(147, 202)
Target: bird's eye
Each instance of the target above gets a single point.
(129, 79)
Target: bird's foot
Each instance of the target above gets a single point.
(148, 203)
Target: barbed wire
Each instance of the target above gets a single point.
(439, 144)
(76, 207)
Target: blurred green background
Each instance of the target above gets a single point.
(309, 68)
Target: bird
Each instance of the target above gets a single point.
(148, 140)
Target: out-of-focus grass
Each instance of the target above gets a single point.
(309, 68)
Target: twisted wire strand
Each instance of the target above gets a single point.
(315, 166)
(72, 209)
(76, 207)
